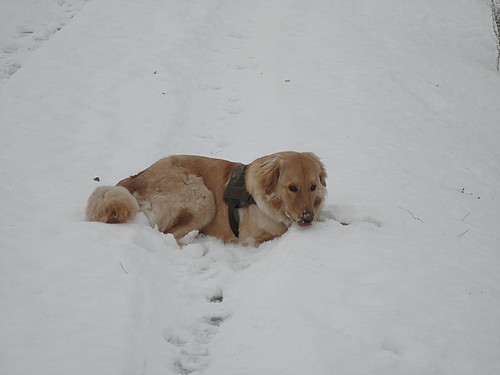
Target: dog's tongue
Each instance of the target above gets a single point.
(304, 223)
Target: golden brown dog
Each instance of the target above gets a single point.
(185, 193)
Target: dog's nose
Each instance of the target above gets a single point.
(307, 216)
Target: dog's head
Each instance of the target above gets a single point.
(288, 186)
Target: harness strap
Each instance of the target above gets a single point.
(236, 196)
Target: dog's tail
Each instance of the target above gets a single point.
(111, 204)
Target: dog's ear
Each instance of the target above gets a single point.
(322, 170)
(268, 173)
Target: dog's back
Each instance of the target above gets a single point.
(178, 194)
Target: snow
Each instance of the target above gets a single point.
(400, 101)
(28, 24)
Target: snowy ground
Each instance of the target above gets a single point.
(399, 99)
(25, 25)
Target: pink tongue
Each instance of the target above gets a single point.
(304, 223)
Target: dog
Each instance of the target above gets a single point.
(248, 204)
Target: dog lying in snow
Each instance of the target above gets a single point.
(231, 201)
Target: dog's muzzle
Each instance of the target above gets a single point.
(306, 218)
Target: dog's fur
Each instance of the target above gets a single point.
(185, 193)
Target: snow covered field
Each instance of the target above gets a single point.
(25, 25)
(400, 99)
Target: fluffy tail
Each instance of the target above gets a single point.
(111, 204)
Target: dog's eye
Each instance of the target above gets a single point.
(293, 188)
(313, 187)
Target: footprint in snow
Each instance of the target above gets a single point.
(193, 355)
(218, 298)
(23, 32)
(10, 48)
(215, 320)
(191, 340)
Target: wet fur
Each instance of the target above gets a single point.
(185, 193)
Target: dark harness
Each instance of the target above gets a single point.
(236, 196)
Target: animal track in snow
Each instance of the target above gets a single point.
(215, 320)
(27, 31)
(218, 298)
(203, 273)
(193, 349)
(233, 111)
(173, 339)
(23, 32)
(10, 48)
